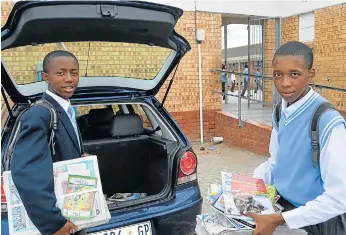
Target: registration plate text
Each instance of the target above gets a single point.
(137, 229)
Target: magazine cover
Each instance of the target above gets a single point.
(250, 195)
(220, 206)
(231, 211)
(226, 179)
(214, 192)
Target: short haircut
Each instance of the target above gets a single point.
(58, 53)
(246, 66)
(295, 48)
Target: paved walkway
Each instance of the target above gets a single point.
(223, 158)
(256, 112)
(230, 159)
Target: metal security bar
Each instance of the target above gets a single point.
(255, 61)
(262, 109)
(238, 93)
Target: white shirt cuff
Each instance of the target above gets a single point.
(295, 218)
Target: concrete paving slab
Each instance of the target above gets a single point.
(223, 158)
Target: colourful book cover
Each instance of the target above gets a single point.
(3, 197)
(80, 205)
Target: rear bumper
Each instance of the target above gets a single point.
(179, 223)
(173, 217)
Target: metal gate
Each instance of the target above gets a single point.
(255, 61)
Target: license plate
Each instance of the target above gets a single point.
(137, 229)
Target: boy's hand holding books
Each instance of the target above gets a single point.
(68, 228)
(266, 224)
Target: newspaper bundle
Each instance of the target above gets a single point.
(237, 195)
(79, 194)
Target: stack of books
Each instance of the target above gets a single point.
(238, 195)
(78, 189)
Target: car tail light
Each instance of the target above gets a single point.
(187, 168)
(3, 197)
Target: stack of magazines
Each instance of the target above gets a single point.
(237, 195)
(78, 189)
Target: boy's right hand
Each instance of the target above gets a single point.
(68, 228)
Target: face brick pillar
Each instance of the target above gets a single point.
(183, 99)
(268, 56)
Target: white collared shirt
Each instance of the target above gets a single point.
(332, 165)
(63, 103)
(233, 77)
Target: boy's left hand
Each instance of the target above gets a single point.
(266, 224)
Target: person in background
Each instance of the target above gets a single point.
(232, 81)
(246, 80)
(314, 196)
(224, 81)
(258, 80)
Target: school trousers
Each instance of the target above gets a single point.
(334, 226)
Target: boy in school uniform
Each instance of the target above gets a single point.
(246, 80)
(32, 161)
(258, 81)
(314, 197)
(233, 81)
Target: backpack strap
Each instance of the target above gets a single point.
(6, 163)
(277, 114)
(53, 121)
(16, 130)
(314, 130)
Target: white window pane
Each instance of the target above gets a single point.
(307, 27)
(306, 34)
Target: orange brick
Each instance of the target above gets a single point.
(329, 49)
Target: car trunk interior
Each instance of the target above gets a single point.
(131, 159)
(130, 165)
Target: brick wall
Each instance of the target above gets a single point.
(254, 137)
(330, 51)
(329, 48)
(290, 29)
(183, 98)
(184, 94)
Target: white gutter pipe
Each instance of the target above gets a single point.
(62, 45)
(200, 91)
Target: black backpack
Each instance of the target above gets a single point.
(314, 132)
(16, 130)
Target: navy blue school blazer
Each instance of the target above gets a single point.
(32, 164)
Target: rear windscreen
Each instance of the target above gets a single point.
(96, 59)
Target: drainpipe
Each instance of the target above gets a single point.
(200, 35)
(200, 91)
